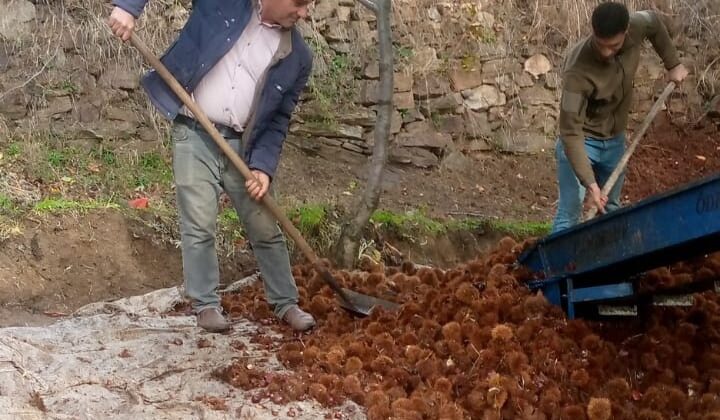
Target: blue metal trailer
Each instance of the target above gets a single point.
(593, 267)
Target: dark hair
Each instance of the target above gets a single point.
(610, 19)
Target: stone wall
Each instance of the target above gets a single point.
(468, 79)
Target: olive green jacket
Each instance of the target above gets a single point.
(597, 94)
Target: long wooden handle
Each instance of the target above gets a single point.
(610, 183)
(267, 200)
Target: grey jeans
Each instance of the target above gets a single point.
(201, 172)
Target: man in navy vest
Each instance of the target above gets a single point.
(245, 64)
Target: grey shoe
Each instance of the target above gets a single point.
(212, 320)
(298, 319)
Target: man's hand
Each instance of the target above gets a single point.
(597, 197)
(258, 187)
(678, 73)
(122, 23)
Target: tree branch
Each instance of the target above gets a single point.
(369, 4)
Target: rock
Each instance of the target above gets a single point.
(56, 106)
(424, 60)
(395, 127)
(119, 114)
(16, 19)
(522, 141)
(361, 116)
(343, 14)
(422, 134)
(499, 67)
(431, 86)
(483, 97)
(506, 85)
(396, 122)
(369, 92)
(148, 134)
(119, 78)
(552, 80)
(412, 115)
(402, 82)
(88, 113)
(443, 104)
(538, 65)
(331, 130)
(457, 162)
(477, 145)
(485, 19)
(477, 125)
(330, 142)
(421, 158)
(433, 14)
(362, 35)
(488, 52)
(466, 79)
(523, 80)
(451, 124)
(4, 58)
(353, 147)
(361, 13)
(336, 31)
(13, 106)
(537, 95)
(341, 47)
(372, 70)
(324, 9)
(403, 100)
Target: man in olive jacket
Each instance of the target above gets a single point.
(597, 94)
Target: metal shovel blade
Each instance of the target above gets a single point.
(364, 304)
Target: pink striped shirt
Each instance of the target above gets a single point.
(227, 91)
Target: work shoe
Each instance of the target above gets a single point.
(298, 319)
(212, 320)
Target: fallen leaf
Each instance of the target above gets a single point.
(93, 167)
(139, 203)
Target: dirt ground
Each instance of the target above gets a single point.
(672, 155)
(63, 262)
(505, 186)
(508, 187)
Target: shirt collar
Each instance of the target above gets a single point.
(259, 15)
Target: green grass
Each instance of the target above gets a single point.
(309, 219)
(521, 229)
(6, 204)
(13, 150)
(414, 221)
(58, 205)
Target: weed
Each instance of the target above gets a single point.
(14, 149)
(411, 222)
(6, 204)
(58, 205)
(56, 158)
(309, 219)
(521, 229)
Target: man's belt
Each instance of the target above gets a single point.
(225, 131)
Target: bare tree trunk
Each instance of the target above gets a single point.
(349, 242)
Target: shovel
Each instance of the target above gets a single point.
(612, 179)
(355, 302)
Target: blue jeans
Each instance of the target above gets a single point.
(604, 156)
(201, 172)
